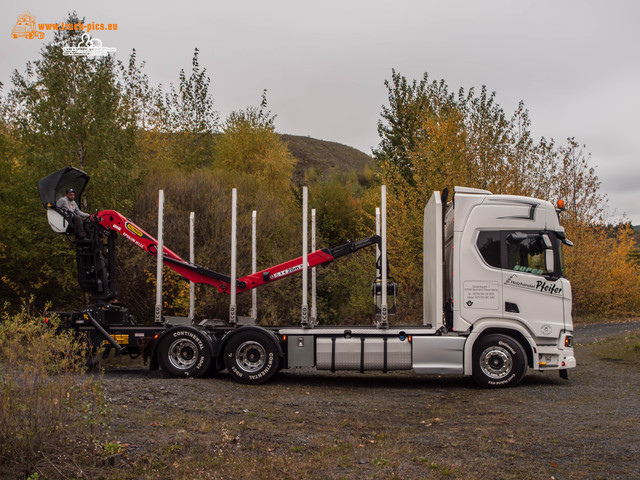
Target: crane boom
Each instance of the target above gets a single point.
(114, 221)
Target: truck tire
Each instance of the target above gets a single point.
(251, 357)
(184, 353)
(498, 361)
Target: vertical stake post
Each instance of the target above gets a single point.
(314, 309)
(232, 306)
(192, 260)
(379, 270)
(159, 258)
(384, 312)
(254, 262)
(305, 249)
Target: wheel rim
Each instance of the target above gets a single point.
(251, 356)
(183, 353)
(496, 362)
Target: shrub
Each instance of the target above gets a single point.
(51, 413)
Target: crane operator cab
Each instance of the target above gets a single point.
(55, 186)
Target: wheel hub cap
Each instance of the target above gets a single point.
(496, 362)
(183, 353)
(251, 356)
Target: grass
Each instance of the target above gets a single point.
(600, 318)
(624, 349)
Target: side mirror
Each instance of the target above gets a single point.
(549, 260)
(517, 237)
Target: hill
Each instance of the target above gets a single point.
(325, 156)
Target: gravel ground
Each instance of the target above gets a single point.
(308, 424)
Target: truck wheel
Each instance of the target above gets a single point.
(498, 361)
(184, 353)
(251, 357)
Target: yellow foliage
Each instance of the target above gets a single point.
(175, 292)
(441, 142)
(604, 279)
(249, 145)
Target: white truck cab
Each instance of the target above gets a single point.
(503, 276)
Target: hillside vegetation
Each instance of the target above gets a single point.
(106, 118)
(327, 157)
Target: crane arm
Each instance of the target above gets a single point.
(116, 222)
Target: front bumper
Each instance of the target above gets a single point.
(556, 357)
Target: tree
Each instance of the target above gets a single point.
(191, 118)
(69, 111)
(431, 140)
(400, 127)
(142, 101)
(249, 145)
(63, 110)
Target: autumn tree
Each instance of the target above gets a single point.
(431, 140)
(249, 145)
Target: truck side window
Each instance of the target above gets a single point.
(489, 246)
(527, 256)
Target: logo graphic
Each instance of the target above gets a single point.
(88, 47)
(285, 272)
(26, 27)
(539, 285)
(133, 229)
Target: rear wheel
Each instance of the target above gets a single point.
(184, 353)
(498, 361)
(251, 357)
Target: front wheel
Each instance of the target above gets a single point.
(498, 361)
(184, 353)
(251, 357)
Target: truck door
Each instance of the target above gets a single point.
(480, 279)
(533, 291)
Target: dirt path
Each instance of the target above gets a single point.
(307, 424)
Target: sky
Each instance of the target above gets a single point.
(573, 63)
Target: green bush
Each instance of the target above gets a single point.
(52, 414)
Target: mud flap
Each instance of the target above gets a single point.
(564, 374)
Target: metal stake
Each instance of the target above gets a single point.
(192, 259)
(305, 248)
(384, 312)
(254, 261)
(314, 309)
(159, 258)
(232, 306)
